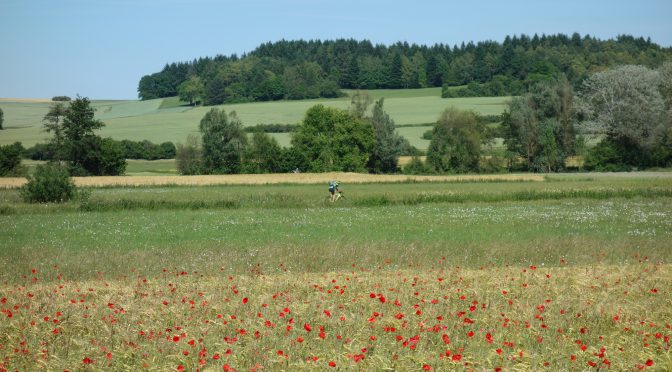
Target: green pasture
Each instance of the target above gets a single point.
(414, 136)
(583, 219)
(164, 167)
(169, 119)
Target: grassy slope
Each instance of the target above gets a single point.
(166, 120)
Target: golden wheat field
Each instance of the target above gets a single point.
(263, 179)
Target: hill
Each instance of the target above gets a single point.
(300, 69)
(168, 119)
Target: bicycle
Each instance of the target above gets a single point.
(339, 195)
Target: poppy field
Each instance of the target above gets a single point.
(579, 281)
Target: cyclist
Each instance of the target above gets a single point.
(333, 189)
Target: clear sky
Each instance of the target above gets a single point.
(101, 48)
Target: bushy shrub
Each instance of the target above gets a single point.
(270, 128)
(188, 158)
(40, 151)
(49, 183)
(416, 166)
(10, 160)
(605, 157)
(147, 150)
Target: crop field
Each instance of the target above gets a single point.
(565, 272)
(167, 120)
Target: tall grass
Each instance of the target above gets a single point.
(527, 195)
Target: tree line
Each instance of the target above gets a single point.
(140, 150)
(328, 139)
(629, 109)
(311, 69)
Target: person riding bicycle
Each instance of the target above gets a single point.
(333, 189)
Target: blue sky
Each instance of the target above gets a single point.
(101, 48)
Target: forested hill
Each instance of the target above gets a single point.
(311, 69)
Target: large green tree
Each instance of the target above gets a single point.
(223, 141)
(263, 155)
(192, 90)
(388, 143)
(52, 122)
(10, 160)
(666, 85)
(456, 142)
(539, 126)
(188, 156)
(331, 139)
(626, 105)
(76, 142)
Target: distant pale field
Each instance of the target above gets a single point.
(26, 100)
(414, 136)
(163, 120)
(262, 179)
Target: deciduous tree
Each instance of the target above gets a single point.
(192, 90)
(330, 139)
(85, 152)
(188, 156)
(389, 144)
(10, 160)
(224, 142)
(53, 122)
(626, 105)
(539, 126)
(263, 155)
(456, 142)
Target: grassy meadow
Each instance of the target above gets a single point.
(169, 119)
(565, 272)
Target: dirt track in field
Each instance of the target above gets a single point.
(264, 179)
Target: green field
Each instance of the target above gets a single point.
(168, 120)
(566, 273)
(477, 216)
